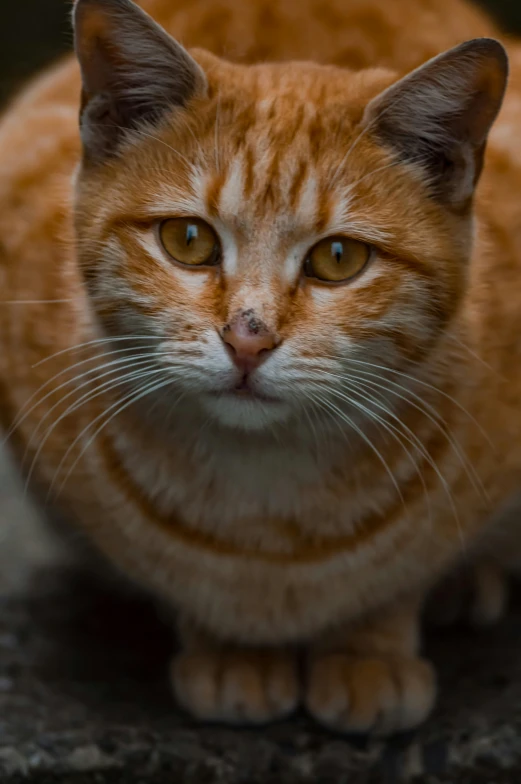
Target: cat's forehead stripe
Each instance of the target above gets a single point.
(231, 200)
(231, 197)
(285, 187)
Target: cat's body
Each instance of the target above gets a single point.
(288, 527)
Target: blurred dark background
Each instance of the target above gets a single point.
(32, 32)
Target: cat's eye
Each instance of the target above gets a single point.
(337, 259)
(190, 241)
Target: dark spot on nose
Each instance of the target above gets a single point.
(252, 322)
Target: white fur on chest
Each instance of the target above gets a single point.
(221, 486)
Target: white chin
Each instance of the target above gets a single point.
(246, 414)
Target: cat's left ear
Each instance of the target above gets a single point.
(439, 116)
(133, 73)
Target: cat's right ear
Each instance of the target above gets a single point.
(133, 73)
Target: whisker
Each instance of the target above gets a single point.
(380, 169)
(438, 422)
(345, 418)
(396, 435)
(416, 443)
(200, 151)
(217, 130)
(103, 389)
(474, 355)
(95, 342)
(117, 408)
(146, 368)
(364, 131)
(147, 135)
(422, 383)
(430, 413)
(312, 428)
(23, 413)
(115, 366)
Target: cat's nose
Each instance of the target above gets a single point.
(248, 340)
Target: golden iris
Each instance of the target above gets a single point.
(190, 241)
(336, 259)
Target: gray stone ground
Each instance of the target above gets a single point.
(84, 695)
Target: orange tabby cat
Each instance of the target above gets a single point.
(260, 333)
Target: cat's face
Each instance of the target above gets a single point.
(272, 255)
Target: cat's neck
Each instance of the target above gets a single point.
(190, 458)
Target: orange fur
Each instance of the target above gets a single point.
(309, 523)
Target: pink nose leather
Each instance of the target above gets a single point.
(248, 341)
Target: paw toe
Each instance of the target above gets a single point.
(370, 695)
(236, 687)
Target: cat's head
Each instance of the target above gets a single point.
(269, 241)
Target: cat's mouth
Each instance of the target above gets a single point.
(244, 406)
(245, 391)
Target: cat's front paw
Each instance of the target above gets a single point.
(236, 686)
(378, 695)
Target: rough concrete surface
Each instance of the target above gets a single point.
(84, 696)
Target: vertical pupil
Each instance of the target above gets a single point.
(337, 251)
(191, 234)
